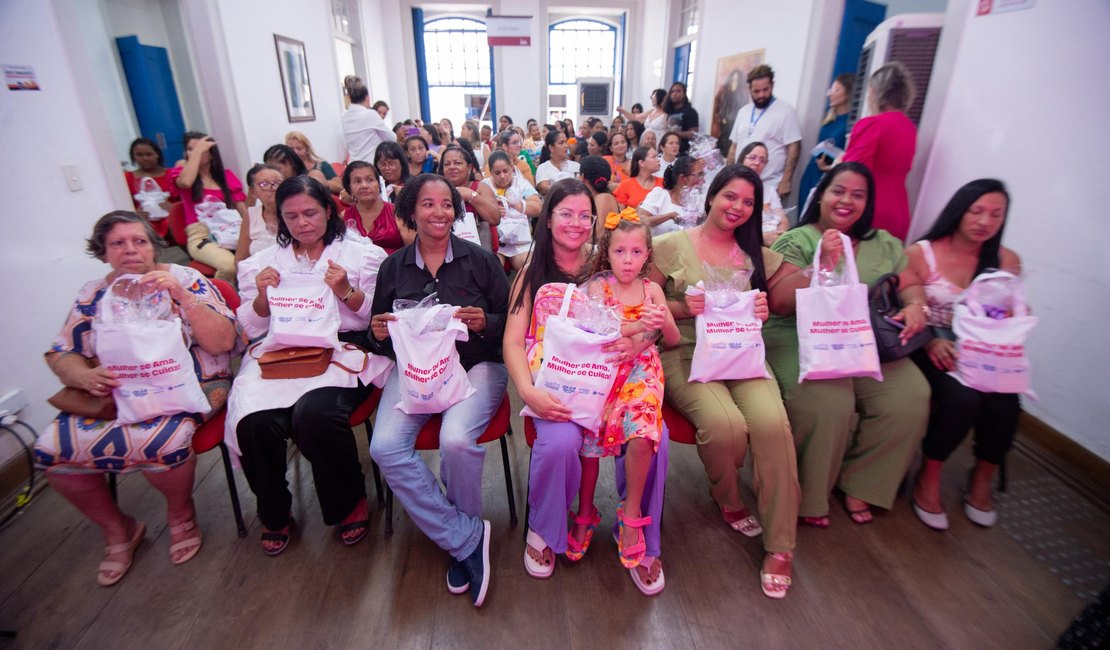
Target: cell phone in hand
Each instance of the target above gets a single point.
(897, 323)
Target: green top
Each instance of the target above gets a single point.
(326, 169)
(675, 257)
(874, 258)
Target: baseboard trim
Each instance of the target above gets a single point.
(1067, 460)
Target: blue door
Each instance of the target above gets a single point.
(153, 95)
(682, 63)
(860, 19)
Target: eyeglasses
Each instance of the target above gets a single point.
(755, 158)
(567, 216)
(267, 185)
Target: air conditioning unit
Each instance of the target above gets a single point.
(910, 39)
(595, 97)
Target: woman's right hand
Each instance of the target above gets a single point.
(99, 381)
(379, 325)
(695, 303)
(832, 248)
(267, 277)
(942, 353)
(545, 405)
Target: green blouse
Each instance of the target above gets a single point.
(875, 258)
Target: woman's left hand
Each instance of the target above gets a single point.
(473, 317)
(164, 281)
(762, 311)
(913, 315)
(336, 278)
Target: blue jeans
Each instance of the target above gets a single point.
(451, 520)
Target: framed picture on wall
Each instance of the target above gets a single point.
(732, 92)
(294, 79)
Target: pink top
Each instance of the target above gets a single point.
(886, 144)
(940, 293)
(384, 231)
(186, 195)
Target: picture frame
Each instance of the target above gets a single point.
(732, 92)
(295, 84)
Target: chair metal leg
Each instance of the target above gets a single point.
(234, 491)
(508, 480)
(374, 466)
(112, 488)
(388, 510)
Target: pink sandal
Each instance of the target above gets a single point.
(575, 550)
(631, 556)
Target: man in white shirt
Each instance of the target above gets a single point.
(773, 122)
(363, 128)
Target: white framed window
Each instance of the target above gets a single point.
(688, 18)
(456, 52)
(581, 47)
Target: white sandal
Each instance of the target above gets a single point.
(770, 582)
(534, 568)
(645, 588)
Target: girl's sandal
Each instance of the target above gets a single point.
(575, 550)
(632, 555)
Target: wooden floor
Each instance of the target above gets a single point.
(889, 584)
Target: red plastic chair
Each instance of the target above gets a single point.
(210, 434)
(177, 235)
(678, 427)
(339, 167)
(428, 439)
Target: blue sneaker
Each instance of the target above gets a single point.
(458, 580)
(478, 568)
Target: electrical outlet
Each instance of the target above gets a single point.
(12, 403)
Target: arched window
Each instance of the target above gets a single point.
(456, 78)
(581, 48)
(456, 52)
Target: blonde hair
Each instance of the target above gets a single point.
(303, 139)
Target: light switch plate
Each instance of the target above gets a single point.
(73, 178)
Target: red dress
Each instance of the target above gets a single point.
(886, 144)
(161, 226)
(383, 232)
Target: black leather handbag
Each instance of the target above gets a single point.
(885, 303)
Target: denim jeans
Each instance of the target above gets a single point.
(451, 520)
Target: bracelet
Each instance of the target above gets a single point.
(923, 306)
(350, 292)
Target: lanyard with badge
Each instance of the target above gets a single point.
(753, 121)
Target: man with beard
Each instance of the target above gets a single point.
(773, 122)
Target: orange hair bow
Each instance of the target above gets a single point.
(614, 218)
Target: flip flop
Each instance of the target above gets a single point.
(280, 536)
(120, 568)
(191, 545)
(534, 568)
(645, 588)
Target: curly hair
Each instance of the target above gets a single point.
(405, 208)
(596, 173)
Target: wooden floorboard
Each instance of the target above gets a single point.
(892, 583)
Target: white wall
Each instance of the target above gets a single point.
(257, 81)
(41, 253)
(1024, 105)
(650, 26)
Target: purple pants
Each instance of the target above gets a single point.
(555, 474)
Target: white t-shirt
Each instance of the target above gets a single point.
(775, 126)
(363, 131)
(549, 172)
(658, 201)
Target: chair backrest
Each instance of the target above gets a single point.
(231, 296)
(177, 223)
(339, 167)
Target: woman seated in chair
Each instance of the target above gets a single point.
(147, 155)
(312, 410)
(463, 274)
(203, 177)
(79, 448)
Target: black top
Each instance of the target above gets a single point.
(472, 278)
(687, 115)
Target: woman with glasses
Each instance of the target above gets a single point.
(260, 231)
(564, 240)
(393, 169)
(754, 156)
